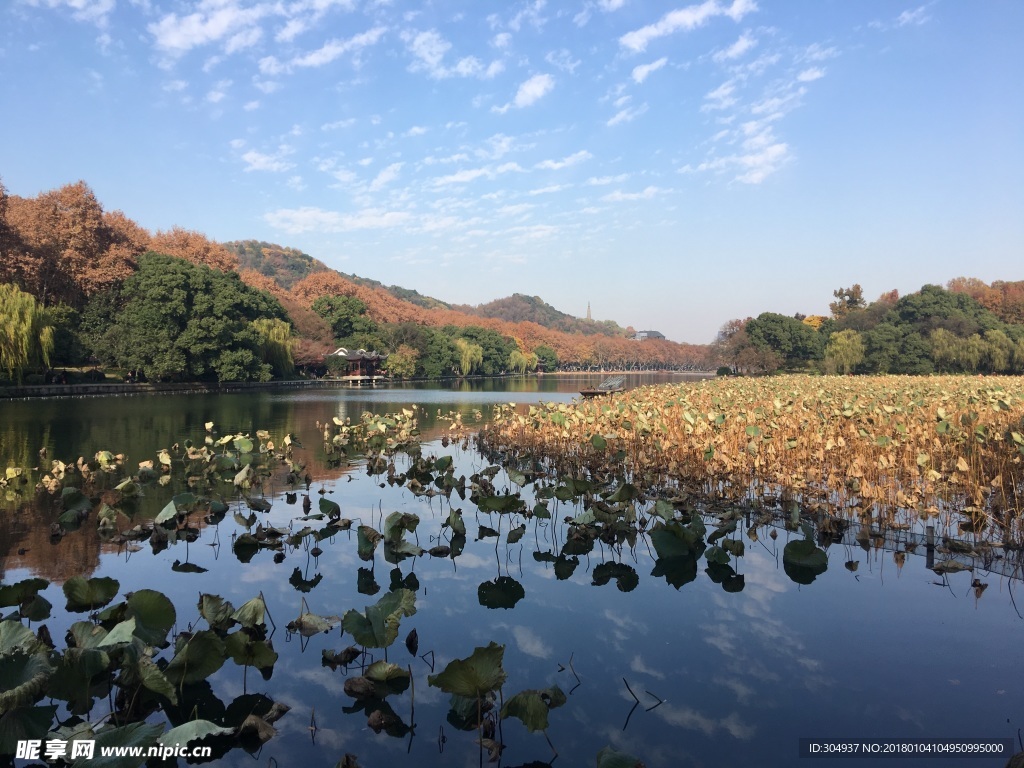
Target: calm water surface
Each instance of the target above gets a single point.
(875, 647)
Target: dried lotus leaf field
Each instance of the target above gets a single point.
(893, 450)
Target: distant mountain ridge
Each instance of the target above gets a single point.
(519, 308)
(288, 266)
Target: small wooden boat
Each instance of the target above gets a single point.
(606, 387)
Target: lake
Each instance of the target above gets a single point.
(675, 663)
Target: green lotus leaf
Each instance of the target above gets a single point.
(252, 613)
(532, 707)
(138, 735)
(516, 534)
(154, 616)
(23, 723)
(19, 592)
(330, 508)
(23, 679)
(153, 678)
(367, 539)
(246, 652)
(378, 626)
(217, 611)
(196, 658)
(89, 594)
(397, 523)
(611, 758)
(473, 677)
(16, 637)
(193, 730)
(121, 634)
(626, 578)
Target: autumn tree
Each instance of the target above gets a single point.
(847, 300)
(194, 247)
(26, 337)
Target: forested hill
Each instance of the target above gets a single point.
(519, 308)
(287, 266)
(81, 285)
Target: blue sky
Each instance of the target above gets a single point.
(673, 165)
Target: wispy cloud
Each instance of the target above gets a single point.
(529, 92)
(640, 73)
(619, 196)
(429, 49)
(684, 19)
(386, 176)
(258, 161)
(908, 18)
(573, 159)
(627, 115)
(334, 49)
(296, 221)
(737, 49)
(810, 75)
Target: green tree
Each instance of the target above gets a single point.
(26, 335)
(439, 356)
(275, 345)
(844, 351)
(547, 358)
(185, 321)
(494, 347)
(345, 314)
(471, 356)
(68, 347)
(402, 362)
(795, 343)
(999, 352)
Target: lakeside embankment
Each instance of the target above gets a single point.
(96, 389)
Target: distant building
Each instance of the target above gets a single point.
(644, 335)
(360, 362)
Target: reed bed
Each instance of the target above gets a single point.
(893, 450)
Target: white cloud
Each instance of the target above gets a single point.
(346, 123)
(295, 221)
(737, 49)
(92, 11)
(533, 90)
(501, 40)
(721, 98)
(386, 176)
(816, 52)
(291, 30)
(251, 105)
(296, 183)
(180, 34)
(908, 18)
(416, 130)
(176, 85)
(554, 165)
(600, 181)
(562, 59)
(258, 161)
(761, 154)
(335, 48)
(684, 19)
(529, 92)
(549, 189)
(811, 74)
(472, 174)
(244, 39)
(641, 72)
(611, 5)
(429, 50)
(627, 115)
(619, 196)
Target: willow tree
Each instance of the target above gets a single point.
(26, 336)
(276, 344)
(844, 351)
(470, 356)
